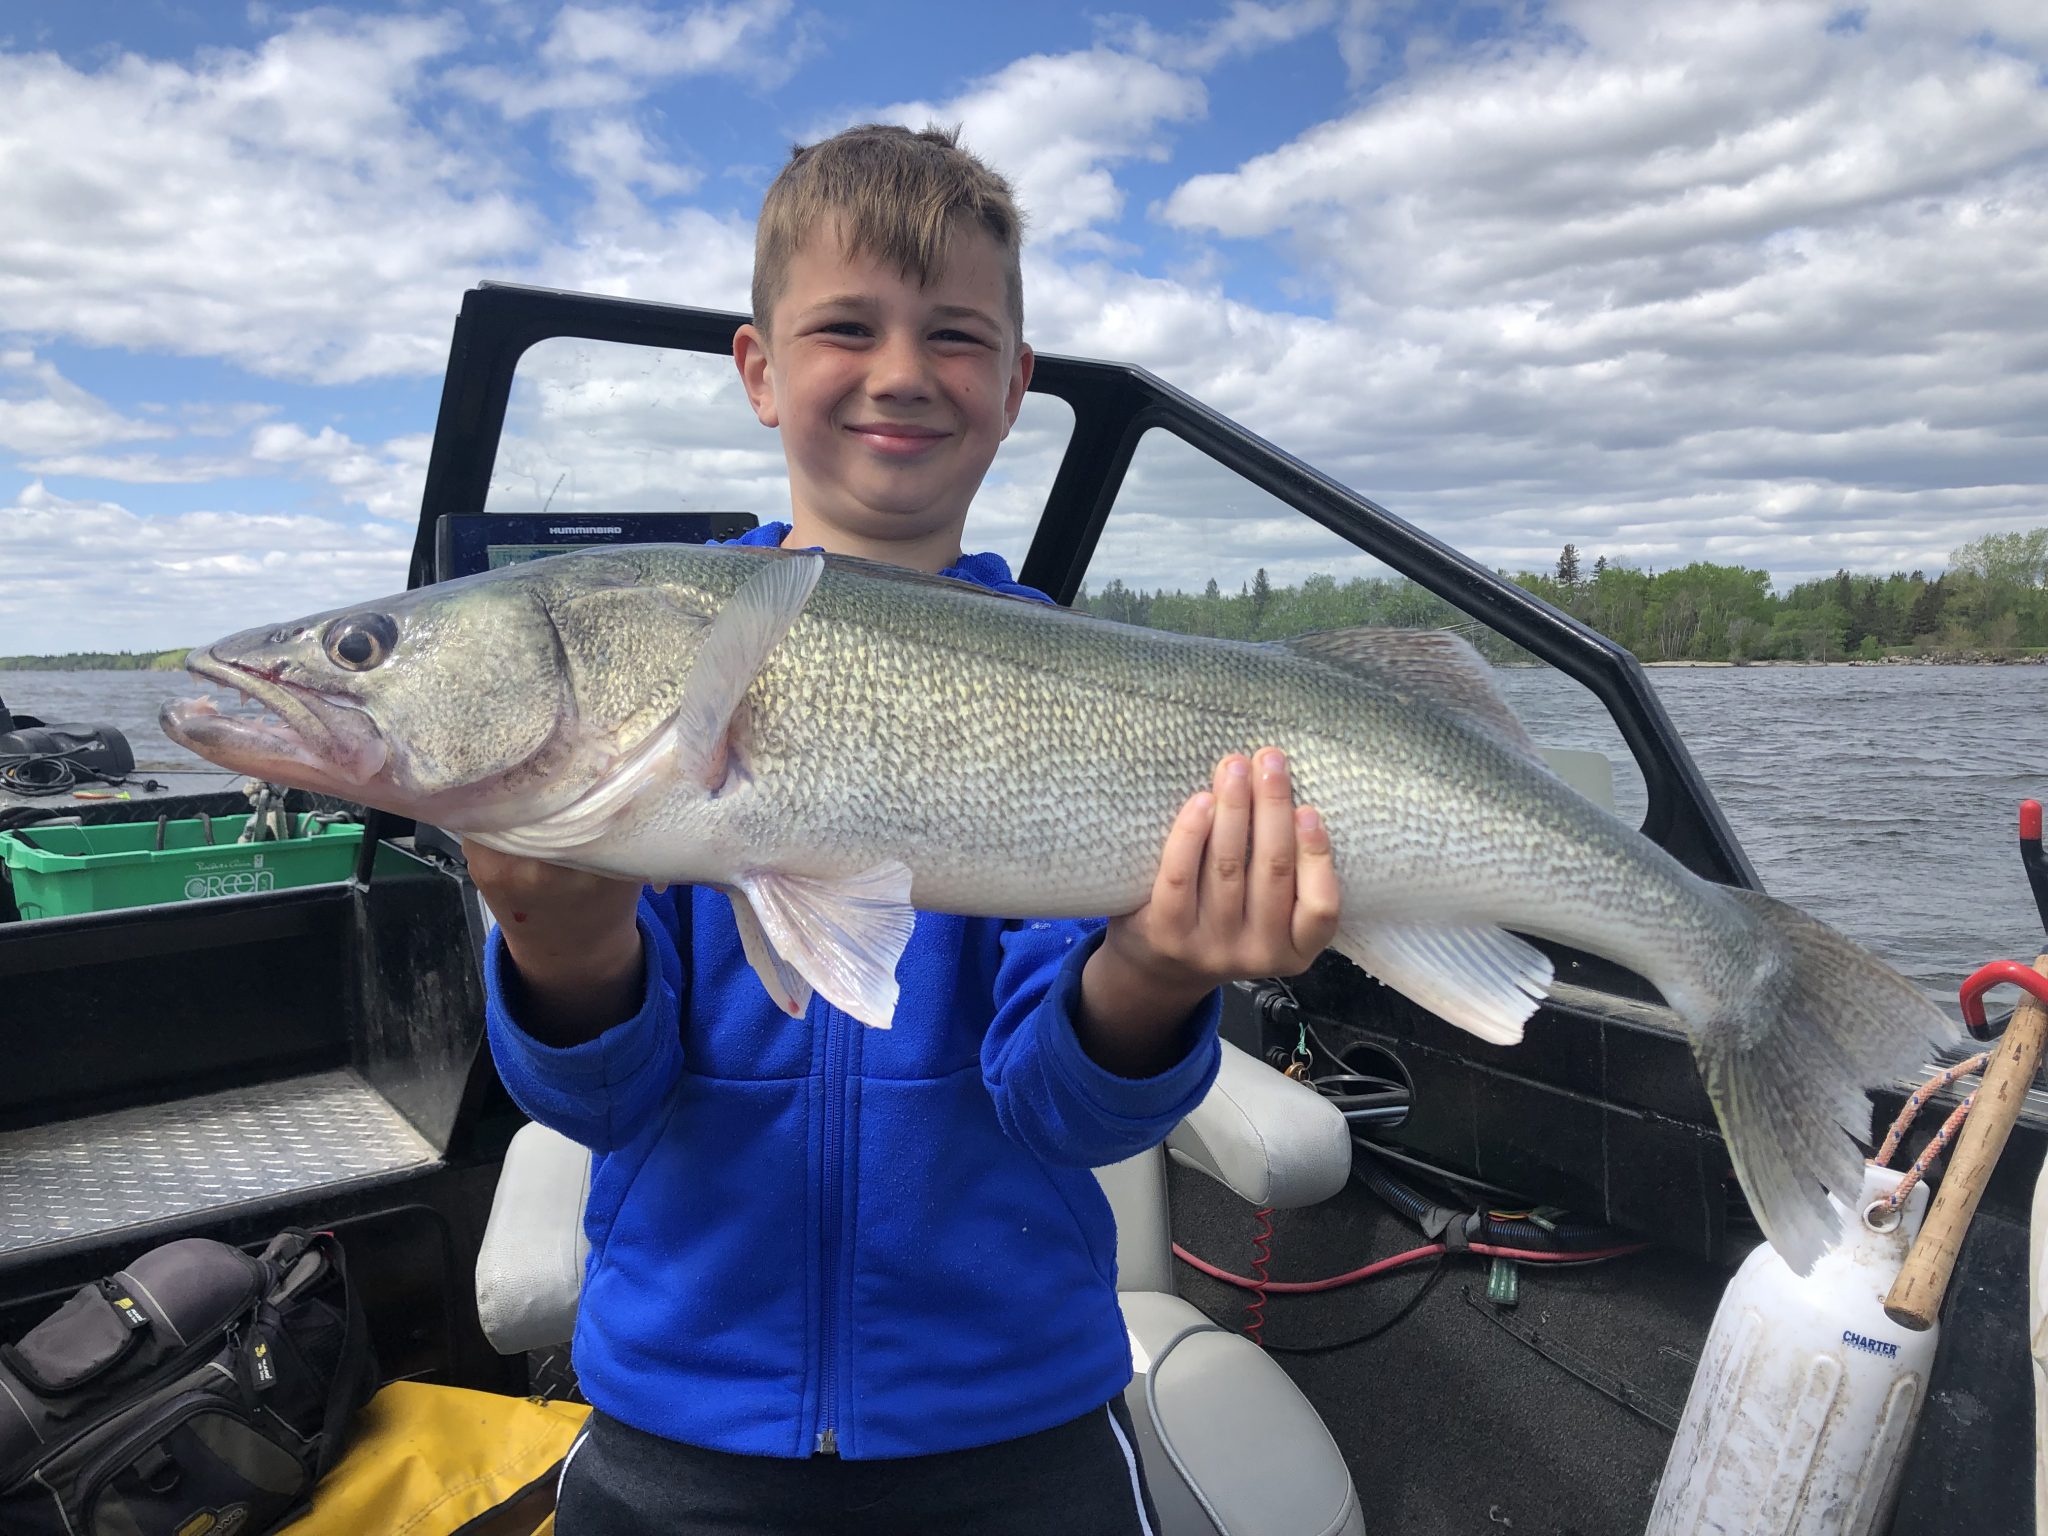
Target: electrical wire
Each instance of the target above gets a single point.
(32, 774)
(1401, 1260)
(1430, 1213)
(1464, 1180)
(1305, 1287)
(1408, 1307)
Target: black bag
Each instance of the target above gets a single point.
(198, 1392)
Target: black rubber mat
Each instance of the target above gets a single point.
(1450, 1422)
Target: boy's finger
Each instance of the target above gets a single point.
(1317, 897)
(1175, 887)
(1222, 894)
(1269, 881)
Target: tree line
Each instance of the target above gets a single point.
(99, 661)
(1991, 603)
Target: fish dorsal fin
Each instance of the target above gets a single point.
(902, 575)
(1438, 665)
(842, 936)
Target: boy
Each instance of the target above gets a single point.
(844, 1279)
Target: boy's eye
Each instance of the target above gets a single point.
(950, 335)
(844, 328)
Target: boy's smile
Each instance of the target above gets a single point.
(891, 398)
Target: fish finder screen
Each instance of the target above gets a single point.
(496, 555)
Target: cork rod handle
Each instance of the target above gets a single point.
(1915, 1299)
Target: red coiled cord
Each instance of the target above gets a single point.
(1262, 1251)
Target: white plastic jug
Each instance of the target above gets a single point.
(1806, 1394)
(2037, 1330)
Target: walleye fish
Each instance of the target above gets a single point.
(833, 743)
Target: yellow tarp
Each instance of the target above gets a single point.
(426, 1461)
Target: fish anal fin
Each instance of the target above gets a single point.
(842, 936)
(1478, 977)
(785, 984)
(1434, 663)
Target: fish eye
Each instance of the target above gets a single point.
(360, 641)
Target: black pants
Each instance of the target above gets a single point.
(1079, 1479)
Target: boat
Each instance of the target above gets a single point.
(313, 1056)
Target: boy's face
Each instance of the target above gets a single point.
(891, 398)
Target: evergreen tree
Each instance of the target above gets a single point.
(1926, 619)
(1599, 567)
(1568, 568)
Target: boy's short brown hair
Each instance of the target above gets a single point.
(900, 194)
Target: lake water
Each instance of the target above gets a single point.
(1882, 800)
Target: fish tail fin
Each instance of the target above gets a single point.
(1787, 1055)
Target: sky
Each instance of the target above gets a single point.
(1763, 284)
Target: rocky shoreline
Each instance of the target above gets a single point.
(1930, 659)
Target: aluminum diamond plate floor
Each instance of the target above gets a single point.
(106, 1172)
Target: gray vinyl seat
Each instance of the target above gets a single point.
(1253, 1449)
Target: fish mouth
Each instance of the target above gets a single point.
(304, 738)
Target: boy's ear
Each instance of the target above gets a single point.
(750, 353)
(1020, 380)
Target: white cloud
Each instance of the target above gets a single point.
(139, 468)
(608, 56)
(216, 418)
(1054, 124)
(41, 411)
(385, 481)
(285, 208)
(647, 44)
(1664, 264)
(612, 154)
(94, 575)
(1752, 282)
(1246, 27)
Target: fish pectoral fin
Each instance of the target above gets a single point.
(1478, 977)
(731, 655)
(843, 936)
(785, 983)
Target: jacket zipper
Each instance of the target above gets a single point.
(834, 1141)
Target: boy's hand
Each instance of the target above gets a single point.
(574, 941)
(1246, 887)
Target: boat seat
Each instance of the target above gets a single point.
(1254, 1450)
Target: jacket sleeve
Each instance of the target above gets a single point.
(1049, 1094)
(603, 1092)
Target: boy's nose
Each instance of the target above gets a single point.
(897, 371)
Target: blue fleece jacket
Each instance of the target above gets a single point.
(807, 1234)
